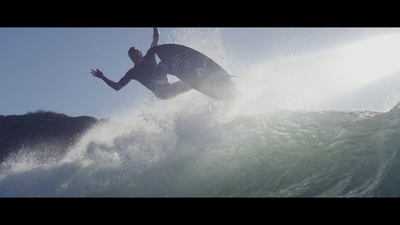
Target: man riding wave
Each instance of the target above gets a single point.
(150, 74)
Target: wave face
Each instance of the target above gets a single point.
(185, 149)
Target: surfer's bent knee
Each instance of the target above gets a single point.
(162, 94)
(163, 97)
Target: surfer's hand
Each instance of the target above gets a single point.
(97, 73)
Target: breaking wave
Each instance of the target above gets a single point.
(188, 151)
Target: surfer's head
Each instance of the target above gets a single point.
(135, 55)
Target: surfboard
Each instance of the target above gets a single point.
(197, 70)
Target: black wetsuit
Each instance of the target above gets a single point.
(149, 73)
(154, 77)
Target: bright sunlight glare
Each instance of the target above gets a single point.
(371, 59)
(305, 80)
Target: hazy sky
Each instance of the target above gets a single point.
(49, 68)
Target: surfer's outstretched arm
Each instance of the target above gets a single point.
(156, 37)
(116, 86)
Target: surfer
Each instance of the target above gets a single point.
(150, 74)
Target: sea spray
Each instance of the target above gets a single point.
(280, 153)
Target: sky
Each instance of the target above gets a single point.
(49, 68)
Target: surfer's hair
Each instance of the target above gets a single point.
(133, 49)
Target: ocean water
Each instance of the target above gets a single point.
(188, 151)
(302, 126)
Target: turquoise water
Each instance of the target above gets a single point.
(190, 151)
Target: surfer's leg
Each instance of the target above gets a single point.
(180, 87)
(168, 91)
